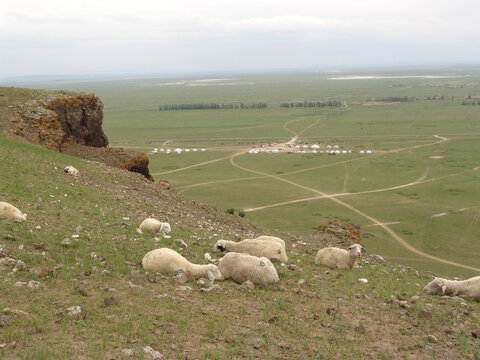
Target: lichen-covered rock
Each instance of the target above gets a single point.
(338, 233)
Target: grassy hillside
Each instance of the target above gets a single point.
(312, 312)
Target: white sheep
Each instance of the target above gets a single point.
(71, 170)
(269, 246)
(469, 288)
(154, 226)
(242, 267)
(168, 261)
(10, 212)
(337, 258)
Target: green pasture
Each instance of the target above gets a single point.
(400, 134)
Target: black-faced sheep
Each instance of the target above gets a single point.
(469, 288)
(168, 261)
(269, 246)
(242, 267)
(336, 258)
(10, 212)
(154, 226)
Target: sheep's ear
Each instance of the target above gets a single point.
(444, 288)
(364, 251)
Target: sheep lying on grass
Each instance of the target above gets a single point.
(71, 170)
(154, 226)
(168, 261)
(10, 212)
(269, 246)
(337, 258)
(469, 288)
(242, 267)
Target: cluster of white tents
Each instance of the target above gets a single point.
(313, 149)
(176, 151)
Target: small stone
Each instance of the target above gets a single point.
(432, 339)
(76, 312)
(20, 284)
(154, 354)
(360, 329)
(82, 291)
(110, 301)
(181, 243)
(213, 288)
(8, 237)
(207, 257)
(331, 310)
(180, 279)
(184, 288)
(256, 346)
(127, 352)
(66, 242)
(414, 299)
(6, 320)
(302, 282)
(292, 267)
(8, 311)
(362, 280)
(19, 266)
(476, 333)
(250, 286)
(168, 327)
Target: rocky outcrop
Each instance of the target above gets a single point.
(81, 117)
(338, 233)
(72, 123)
(58, 118)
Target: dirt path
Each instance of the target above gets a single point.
(376, 222)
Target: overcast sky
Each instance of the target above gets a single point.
(164, 36)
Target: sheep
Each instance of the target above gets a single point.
(269, 246)
(469, 288)
(10, 212)
(154, 226)
(168, 261)
(242, 267)
(71, 170)
(337, 258)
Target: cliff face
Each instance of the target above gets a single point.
(81, 117)
(72, 123)
(55, 120)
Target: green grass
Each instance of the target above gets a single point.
(449, 183)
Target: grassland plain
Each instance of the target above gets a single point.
(310, 313)
(399, 133)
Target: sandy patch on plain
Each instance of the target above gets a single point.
(438, 215)
(436, 157)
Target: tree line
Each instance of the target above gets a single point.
(312, 104)
(212, 106)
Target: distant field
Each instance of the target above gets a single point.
(425, 188)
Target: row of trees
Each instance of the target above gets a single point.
(472, 102)
(396, 99)
(312, 104)
(211, 106)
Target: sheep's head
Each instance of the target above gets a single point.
(213, 273)
(220, 245)
(269, 272)
(435, 287)
(357, 250)
(165, 228)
